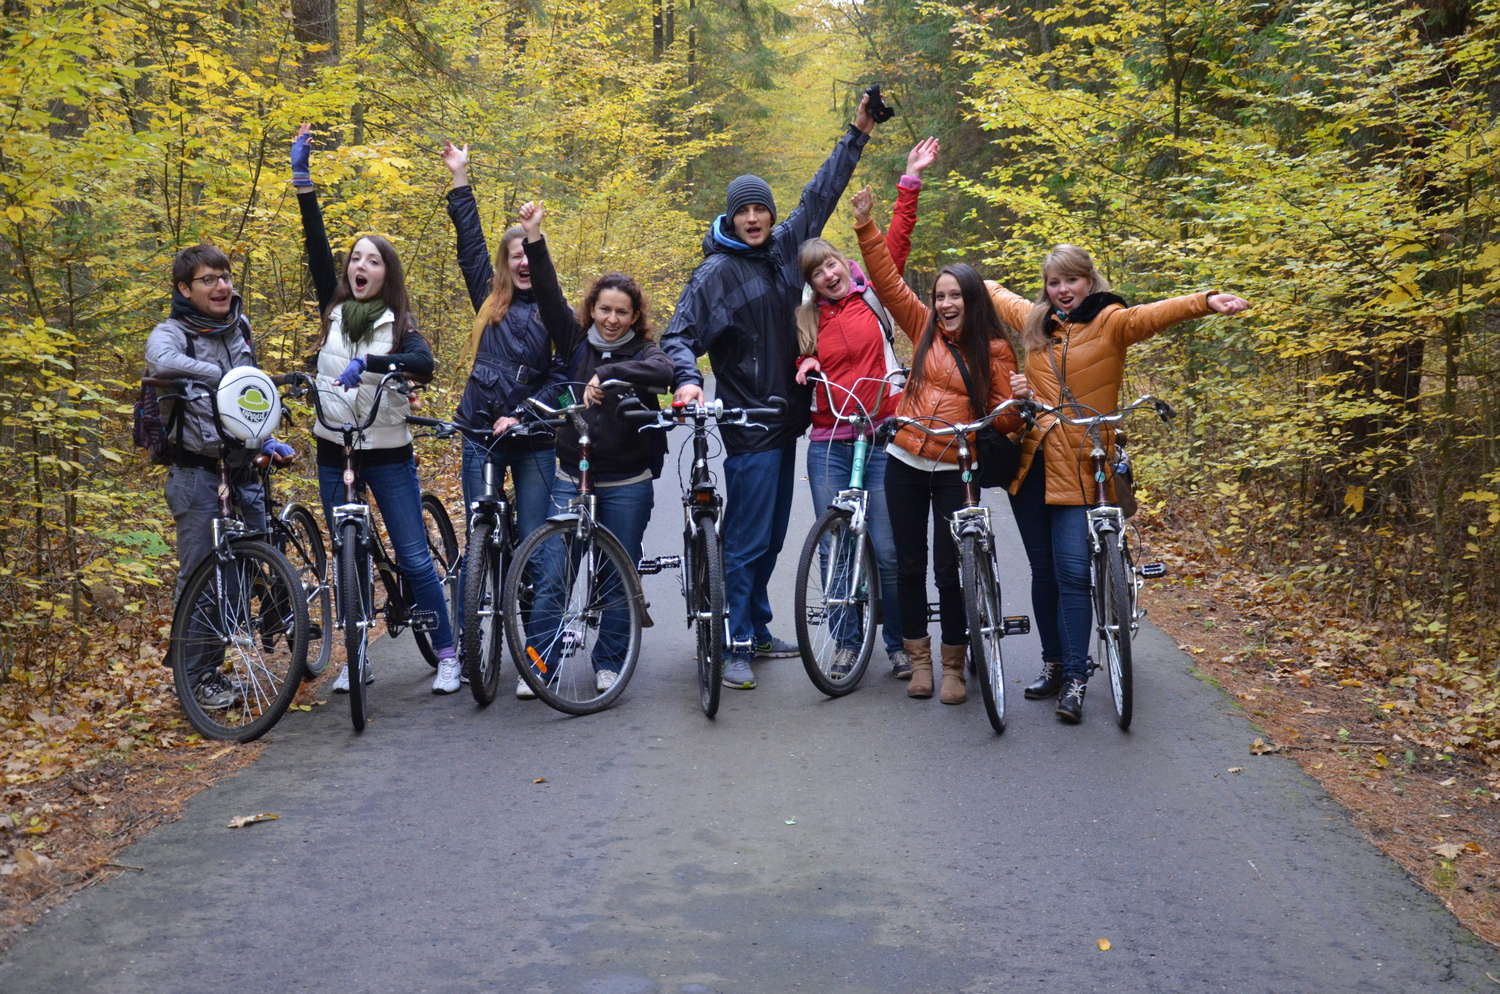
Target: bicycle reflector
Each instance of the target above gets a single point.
(249, 406)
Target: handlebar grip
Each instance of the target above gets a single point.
(642, 414)
(413, 419)
(1164, 411)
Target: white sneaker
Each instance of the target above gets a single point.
(524, 691)
(341, 682)
(605, 679)
(446, 681)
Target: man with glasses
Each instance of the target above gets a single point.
(205, 336)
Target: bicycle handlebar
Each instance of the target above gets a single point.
(1162, 408)
(396, 380)
(860, 413)
(679, 414)
(924, 422)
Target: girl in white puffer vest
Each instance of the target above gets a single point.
(368, 331)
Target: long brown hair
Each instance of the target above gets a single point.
(616, 281)
(1064, 261)
(392, 291)
(502, 291)
(981, 325)
(813, 253)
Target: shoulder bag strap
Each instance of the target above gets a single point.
(963, 370)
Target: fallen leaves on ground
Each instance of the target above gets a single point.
(243, 820)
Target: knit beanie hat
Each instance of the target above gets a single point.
(749, 189)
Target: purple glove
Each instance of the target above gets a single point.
(280, 451)
(349, 378)
(302, 160)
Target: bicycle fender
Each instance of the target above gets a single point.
(564, 517)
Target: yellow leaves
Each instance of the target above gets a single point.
(1453, 850)
(1104, 945)
(1354, 499)
(1260, 747)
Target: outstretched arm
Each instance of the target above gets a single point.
(463, 210)
(904, 216)
(1136, 324)
(557, 317)
(904, 305)
(314, 236)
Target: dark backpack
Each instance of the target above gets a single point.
(162, 437)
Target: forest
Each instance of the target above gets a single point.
(1333, 161)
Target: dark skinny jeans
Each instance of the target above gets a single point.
(910, 493)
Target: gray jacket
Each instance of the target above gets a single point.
(212, 355)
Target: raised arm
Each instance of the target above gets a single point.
(1012, 308)
(822, 194)
(904, 216)
(557, 317)
(904, 305)
(463, 210)
(1136, 324)
(314, 237)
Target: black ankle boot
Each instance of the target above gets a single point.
(1070, 704)
(1047, 683)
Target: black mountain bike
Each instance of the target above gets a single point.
(702, 559)
(360, 555)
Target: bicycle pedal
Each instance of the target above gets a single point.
(1016, 624)
(423, 621)
(650, 567)
(934, 612)
(1152, 571)
(816, 616)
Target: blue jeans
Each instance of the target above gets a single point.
(531, 473)
(398, 494)
(757, 506)
(828, 468)
(1056, 537)
(624, 510)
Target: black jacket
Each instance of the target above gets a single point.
(515, 358)
(738, 307)
(620, 449)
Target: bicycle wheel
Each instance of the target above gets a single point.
(298, 538)
(986, 626)
(482, 627)
(239, 639)
(442, 542)
(708, 612)
(1116, 614)
(357, 609)
(835, 603)
(585, 615)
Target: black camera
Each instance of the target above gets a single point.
(877, 108)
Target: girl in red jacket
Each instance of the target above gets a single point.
(849, 341)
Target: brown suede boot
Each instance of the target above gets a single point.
(954, 690)
(920, 651)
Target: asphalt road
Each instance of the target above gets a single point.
(872, 843)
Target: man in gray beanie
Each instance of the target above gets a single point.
(738, 307)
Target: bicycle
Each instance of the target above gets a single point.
(295, 533)
(486, 560)
(978, 568)
(360, 555)
(1114, 579)
(242, 615)
(838, 597)
(572, 593)
(702, 559)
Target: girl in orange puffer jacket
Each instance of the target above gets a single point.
(1075, 333)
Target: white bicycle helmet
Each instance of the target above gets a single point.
(249, 406)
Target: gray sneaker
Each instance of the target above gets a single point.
(900, 664)
(772, 647)
(843, 662)
(737, 674)
(215, 692)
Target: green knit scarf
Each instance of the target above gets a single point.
(359, 317)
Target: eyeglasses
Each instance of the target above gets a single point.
(213, 279)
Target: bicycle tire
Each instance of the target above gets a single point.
(301, 541)
(244, 609)
(708, 613)
(358, 613)
(442, 543)
(986, 626)
(594, 578)
(827, 572)
(1116, 616)
(483, 638)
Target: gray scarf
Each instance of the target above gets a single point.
(598, 342)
